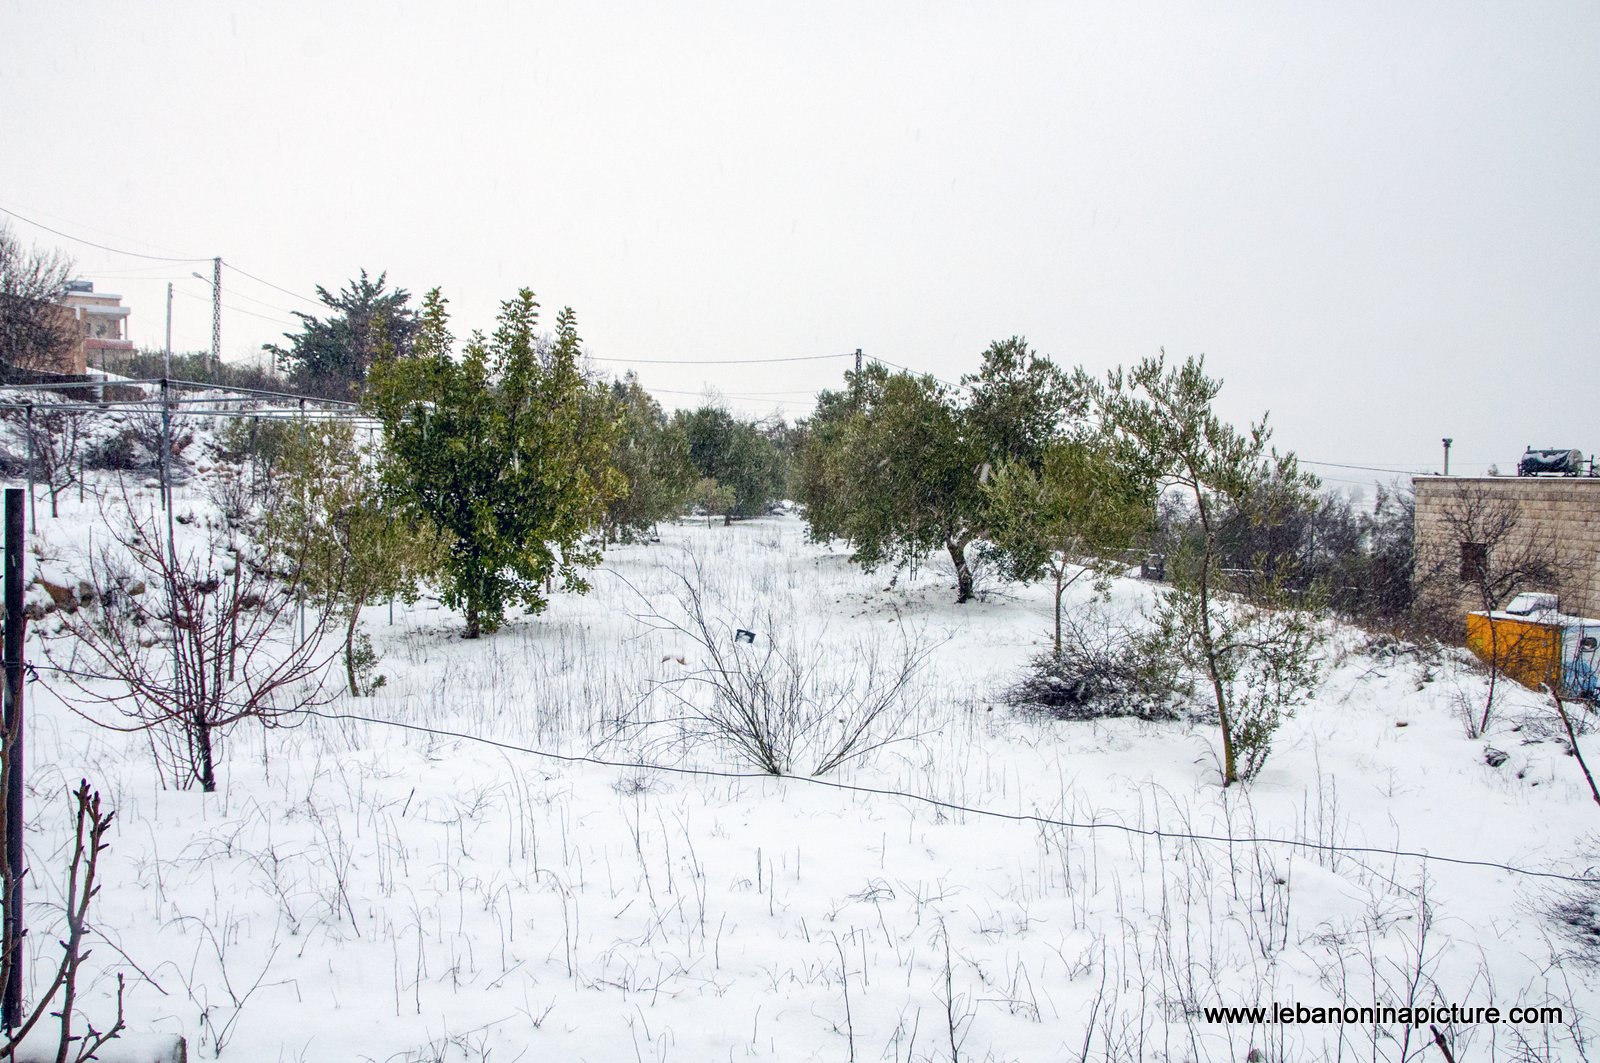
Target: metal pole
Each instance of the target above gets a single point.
(216, 312)
(12, 1002)
(33, 508)
(166, 359)
(1447, 443)
(166, 449)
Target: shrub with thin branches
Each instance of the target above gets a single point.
(187, 641)
(783, 706)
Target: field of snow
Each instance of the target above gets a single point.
(365, 891)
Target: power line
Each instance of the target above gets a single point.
(916, 372)
(271, 306)
(720, 361)
(269, 284)
(939, 803)
(951, 806)
(730, 395)
(91, 243)
(1407, 470)
(237, 309)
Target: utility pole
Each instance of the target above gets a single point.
(216, 312)
(166, 360)
(33, 509)
(14, 870)
(1447, 443)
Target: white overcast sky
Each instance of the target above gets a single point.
(1376, 220)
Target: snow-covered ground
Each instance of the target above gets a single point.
(362, 891)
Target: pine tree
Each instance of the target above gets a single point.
(507, 454)
(330, 356)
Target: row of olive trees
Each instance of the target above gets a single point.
(1055, 475)
(705, 459)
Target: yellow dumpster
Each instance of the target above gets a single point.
(1534, 643)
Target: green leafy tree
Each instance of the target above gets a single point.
(1241, 631)
(819, 472)
(907, 476)
(652, 455)
(507, 454)
(712, 498)
(735, 453)
(330, 356)
(1072, 516)
(897, 463)
(328, 493)
(1020, 403)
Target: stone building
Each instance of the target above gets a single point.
(1472, 525)
(97, 323)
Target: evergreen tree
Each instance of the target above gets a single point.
(329, 357)
(327, 516)
(901, 473)
(1072, 516)
(507, 454)
(653, 457)
(821, 472)
(1020, 403)
(1248, 639)
(897, 463)
(737, 454)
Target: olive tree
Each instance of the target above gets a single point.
(1243, 633)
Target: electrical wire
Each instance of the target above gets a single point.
(237, 309)
(720, 361)
(1399, 470)
(91, 243)
(915, 372)
(934, 802)
(730, 395)
(269, 284)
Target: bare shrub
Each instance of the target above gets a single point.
(33, 328)
(1105, 668)
(780, 704)
(55, 438)
(209, 639)
(82, 885)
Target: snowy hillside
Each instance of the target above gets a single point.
(476, 864)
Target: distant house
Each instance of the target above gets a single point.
(97, 323)
(1467, 525)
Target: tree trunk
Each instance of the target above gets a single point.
(1061, 587)
(205, 768)
(727, 520)
(1494, 670)
(958, 554)
(233, 617)
(350, 647)
(474, 628)
(1230, 767)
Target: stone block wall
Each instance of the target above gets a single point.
(1555, 516)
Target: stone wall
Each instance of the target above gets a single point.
(1552, 516)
